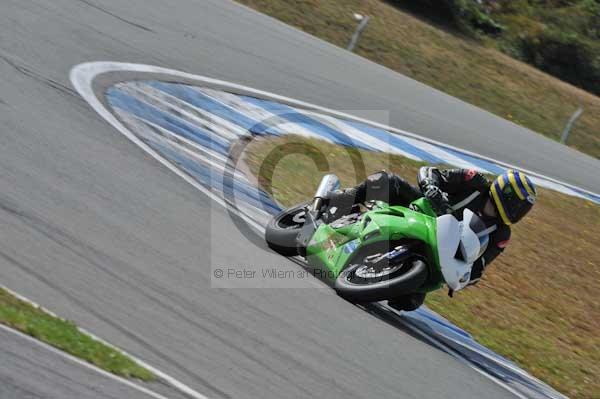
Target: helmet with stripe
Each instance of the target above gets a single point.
(514, 195)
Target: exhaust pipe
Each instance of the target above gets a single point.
(328, 184)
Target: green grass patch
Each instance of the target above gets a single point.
(452, 63)
(537, 304)
(65, 335)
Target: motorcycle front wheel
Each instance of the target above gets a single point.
(361, 282)
(283, 229)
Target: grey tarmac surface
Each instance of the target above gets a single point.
(30, 371)
(223, 40)
(97, 231)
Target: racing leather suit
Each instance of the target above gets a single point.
(449, 190)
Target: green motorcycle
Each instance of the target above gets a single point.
(377, 251)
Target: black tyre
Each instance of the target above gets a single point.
(360, 282)
(283, 229)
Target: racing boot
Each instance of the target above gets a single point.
(407, 303)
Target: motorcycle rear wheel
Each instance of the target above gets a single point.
(357, 285)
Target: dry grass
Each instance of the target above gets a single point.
(538, 303)
(456, 65)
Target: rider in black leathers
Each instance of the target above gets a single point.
(450, 191)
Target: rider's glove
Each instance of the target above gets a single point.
(439, 200)
(477, 271)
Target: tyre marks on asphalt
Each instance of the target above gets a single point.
(192, 127)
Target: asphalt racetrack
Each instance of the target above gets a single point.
(30, 371)
(102, 234)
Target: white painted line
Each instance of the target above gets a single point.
(259, 114)
(82, 76)
(165, 377)
(176, 113)
(218, 163)
(509, 366)
(555, 186)
(456, 355)
(356, 134)
(82, 363)
(444, 155)
(88, 69)
(180, 140)
(167, 102)
(29, 301)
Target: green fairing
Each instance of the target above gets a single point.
(327, 253)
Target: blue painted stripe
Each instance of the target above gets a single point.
(440, 322)
(202, 101)
(128, 103)
(498, 170)
(441, 327)
(292, 115)
(395, 141)
(213, 179)
(591, 197)
(480, 163)
(431, 324)
(494, 364)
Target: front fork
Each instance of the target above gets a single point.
(328, 184)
